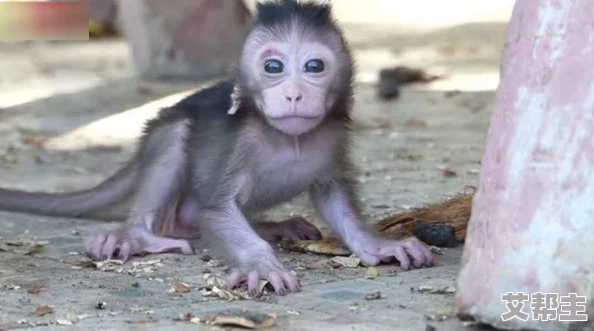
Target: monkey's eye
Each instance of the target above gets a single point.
(314, 66)
(273, 66)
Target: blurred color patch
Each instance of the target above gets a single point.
(56, 20)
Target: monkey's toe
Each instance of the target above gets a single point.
(410, 253)
(281, 280)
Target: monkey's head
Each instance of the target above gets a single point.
(296, 67)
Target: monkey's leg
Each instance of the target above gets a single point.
(159, 190)
(252, 257)
(297, 228)
(334, 201)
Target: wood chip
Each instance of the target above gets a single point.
(44, 310)
(327, 246)
(347, 262)
(242, 318)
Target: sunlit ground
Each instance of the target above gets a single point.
(463, 45)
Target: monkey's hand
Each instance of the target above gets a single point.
(133, 241)
(410, 252)
(259, 265)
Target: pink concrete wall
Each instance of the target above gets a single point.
(532, 222)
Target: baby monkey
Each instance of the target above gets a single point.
(204, 165)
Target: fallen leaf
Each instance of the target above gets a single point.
(347, 262)
(35, 140)
(371, 273)
(320, 264)
(34, 289)
(449, 173)
(441, 314)
(44, 310)
(416, 123)
(327, 246)
(188, 318)
(63, 322)
(33, 250)
(144, 320)
(224, 294)
(9, 158)
(82, 262)
(437, 290)
(242, 318)
(182, 287)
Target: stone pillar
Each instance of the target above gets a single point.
(187, 39)
(532, 223)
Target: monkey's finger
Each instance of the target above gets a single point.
(125, 250)
(368, 260)
(109, 247)
(428, 255)
(186, 248)
(277, 283)
(400, 255)
(419, 252)
(253, 282)
(233, 279)
(94, 250)
(418, 258)
(291, 281)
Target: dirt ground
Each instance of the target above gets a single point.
(83, 103)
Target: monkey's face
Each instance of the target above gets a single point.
(291, 79)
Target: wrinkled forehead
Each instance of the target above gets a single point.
(296, 31)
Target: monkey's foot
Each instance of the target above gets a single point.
(263, 266)
(294, 229)
(410, 252)
(122, 246)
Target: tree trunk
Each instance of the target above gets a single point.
(532, 223)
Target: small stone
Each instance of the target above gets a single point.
(371, 273)
(101, 305)
(373, 295)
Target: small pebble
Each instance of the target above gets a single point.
(373, 295)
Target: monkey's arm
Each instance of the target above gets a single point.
(335, 201)
(252, 257)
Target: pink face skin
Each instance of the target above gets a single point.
(290, 78)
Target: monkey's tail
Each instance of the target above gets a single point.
(74, 204)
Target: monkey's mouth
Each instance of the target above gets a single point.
(294, 125)
(294, 117)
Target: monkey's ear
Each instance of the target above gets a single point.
(235, 100)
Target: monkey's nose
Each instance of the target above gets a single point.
(294, 98)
